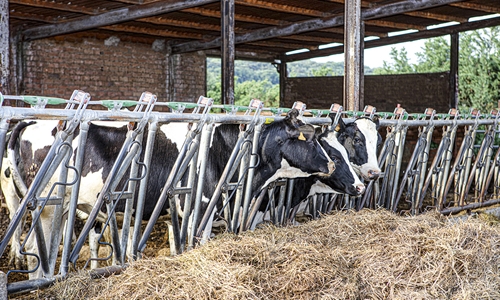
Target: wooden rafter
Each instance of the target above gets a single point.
(33, 17)
(112, 17)
(420, 14)
(394, 25)
(402, 38)
(282, 8)
(155, 32)
(475, 6)
(439, 17)
(290, 46)
(314, 24)
(59, 6)
(320, 14)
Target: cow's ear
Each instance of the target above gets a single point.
(376, 121)
(292, 120)
(307, 132)
(340, 127)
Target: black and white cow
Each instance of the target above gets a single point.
(361, 140)
(288, 149)
(343, 180)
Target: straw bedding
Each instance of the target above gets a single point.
(346, 255)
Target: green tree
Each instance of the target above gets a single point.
(479, 69)
(400, 63)
(479, 66)
(435, 56)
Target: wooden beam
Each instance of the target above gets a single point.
(227, 51)
(454, 58)
(475, 6)
(439, 17)
(112, 17)
(283, 8)
(314, 24)
(396, 25)
(32, 17)
(154, 32)
(353, 59)
(4, 47)
(400, 38)
(62, 6)
(290, 46)
(257, 55)
(266, 21)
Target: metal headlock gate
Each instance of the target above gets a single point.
(449, 179)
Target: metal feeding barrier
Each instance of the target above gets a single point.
(433, 174)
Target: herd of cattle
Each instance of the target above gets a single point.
(336, 159)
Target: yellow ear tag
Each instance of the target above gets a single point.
(302, 137)
(337, 129)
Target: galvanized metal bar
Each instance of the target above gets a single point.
(250, 175)
(141, 197)
(73, 202)
(189, 195)
(202, 161)
(129, 205)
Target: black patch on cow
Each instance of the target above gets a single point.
(354, 142)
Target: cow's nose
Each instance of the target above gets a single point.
(360, 188)
(331, 167)
(373, 174)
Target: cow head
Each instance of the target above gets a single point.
(289, 149)
(361, 140)
(344, 179)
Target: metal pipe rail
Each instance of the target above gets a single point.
(415, 185)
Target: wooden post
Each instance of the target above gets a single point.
(352, 52)
(283, 72)
(227, 51)
(4, 46)
(454, 56)
(170, 74)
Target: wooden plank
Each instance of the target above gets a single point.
(60, 6)
(313, 24)
(283, 8)
(227, 52)
(4, 47)
(475, 6)
(257, 55)
(454, 57)
(352, 57)
(401, 38)
(112, 17)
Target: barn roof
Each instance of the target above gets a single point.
(264, 29)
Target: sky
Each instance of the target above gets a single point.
(375, 57)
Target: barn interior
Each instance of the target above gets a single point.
(36, 34)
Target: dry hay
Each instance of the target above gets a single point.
(363, 255)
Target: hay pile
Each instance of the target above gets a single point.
(363, 255)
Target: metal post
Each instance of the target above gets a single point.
(70, 223)
(139, 209)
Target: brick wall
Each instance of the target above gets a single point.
(188, 77)
(415, 92)
(109, 69)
